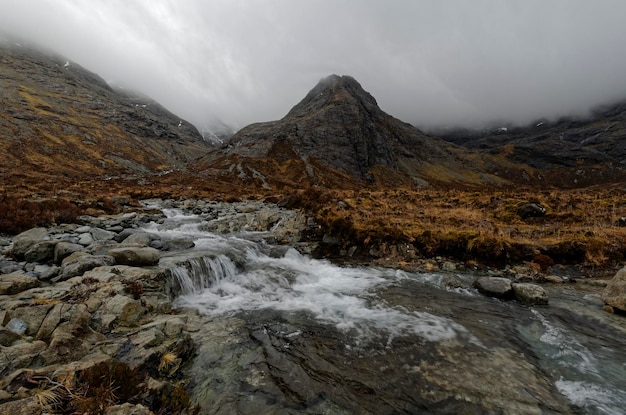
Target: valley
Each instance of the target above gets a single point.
(301, 259)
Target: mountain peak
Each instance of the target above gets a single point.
(334, 90)
(338, 125)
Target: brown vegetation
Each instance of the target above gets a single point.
(579, 227)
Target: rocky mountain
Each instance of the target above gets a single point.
(58, 119)
(338, 134)
(574, 152)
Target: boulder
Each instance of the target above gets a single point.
(494, 287)
(85, 239)
(531, 210)
(532, 294)
(120, 237)
(25, 240)
(135, 256)
(75, 265)
(16, 283)
(64, 249)
(615, 292)
(42, 251)
(139, 239)
(102, 235)
(178, 244)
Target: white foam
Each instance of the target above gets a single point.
(588, 395)
(337, 295)
(567, 350)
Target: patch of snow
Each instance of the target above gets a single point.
(67, 63)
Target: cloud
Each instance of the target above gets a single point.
(427, 62)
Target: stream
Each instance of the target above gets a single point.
(278, 332)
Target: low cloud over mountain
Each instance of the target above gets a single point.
(430, 63)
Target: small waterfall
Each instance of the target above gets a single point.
(197, 274)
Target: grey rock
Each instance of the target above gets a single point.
(83, 229)
(74, 266)
(85, 239)
(140, 239)
(41, 252)
(32, 316)
(121, 236)
(179, 244)
(135, 256)
(494, 287)
(25, 240)
(102, 235)
(46, 272)
(64, 249)
(615, 292)
(17, 326)
(16, 283)
(530, 293)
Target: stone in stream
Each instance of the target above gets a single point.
(135, 256)
(614, 294)
(497, 287)
(532, 294)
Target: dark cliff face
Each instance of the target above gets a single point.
(60, 119)
(599, 139)
(340, 125)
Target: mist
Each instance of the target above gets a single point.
(430, 63)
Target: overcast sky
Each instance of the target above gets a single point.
(428, 62)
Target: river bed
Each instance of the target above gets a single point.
(279, 332)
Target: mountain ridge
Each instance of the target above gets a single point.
(59, 118)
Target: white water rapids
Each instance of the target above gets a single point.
(239, 273)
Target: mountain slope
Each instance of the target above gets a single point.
(58, 119)
(338, 130)
(570, 152)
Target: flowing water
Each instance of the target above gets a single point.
(282, 333)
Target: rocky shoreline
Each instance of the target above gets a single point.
(82, 303)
